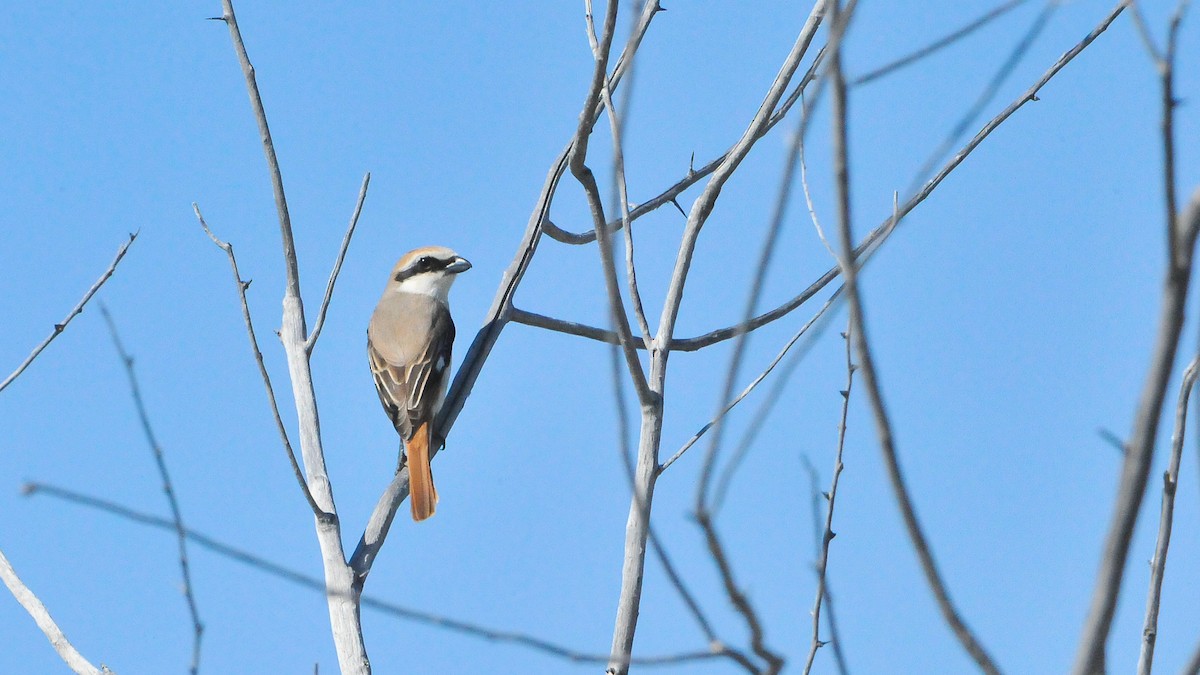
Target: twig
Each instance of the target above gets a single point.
(739, 600)
(1181, 230)
(582, 173)
(616, 123)
(765, 255)
(754, 383)
(301, 579)
(822, 566)
(61, 326)
(937, 45)
(258, 358)
(849, 266)
(1158, 564)
(71, 656)
(168, 487)
(989, 91)
(311, 342)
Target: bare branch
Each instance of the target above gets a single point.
(315, 583)
(587, 180)
(337, 267)
(61, 326)
(168, 489)
(937, 45)
(258, 358)
(822, 566)
(1158, 564)
(766, 253)
(740, 602)
(989, 91)
(74, 660)
(754, 383)
(849, 266)
(1181, 233)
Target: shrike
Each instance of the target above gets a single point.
(408, 343)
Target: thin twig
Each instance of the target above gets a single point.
(258, 358)
(937, 45)
(753, 383)
(337, 266)
(989, 91)
(765, 255)
(616, 123)
(299, 578)
(62, 325)
(739, 600)
(849, 266)
(1158, 564)
(600, 48)
(168, 487)
(822, 565)
(71, 656)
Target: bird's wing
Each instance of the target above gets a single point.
(411, 385)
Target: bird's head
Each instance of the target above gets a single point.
(429, 270)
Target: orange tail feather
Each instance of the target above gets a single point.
(421, 492)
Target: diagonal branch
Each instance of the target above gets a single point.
(61, 326)
(71, 656)
(311, 342)
(384, 606)
(167, 486)
(938, 44)
(262, 368)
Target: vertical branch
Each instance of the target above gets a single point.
(168, 489)
(1135, 473)
(822, 566)
(849, 269)
(1158, 565)
(337, 266)
(71, 656)
(343, 594)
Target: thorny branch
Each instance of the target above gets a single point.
(258, 358)
(62, 325)
(827, 533)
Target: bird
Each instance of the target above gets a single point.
(409, 342)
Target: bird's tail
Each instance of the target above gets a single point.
(422, 494)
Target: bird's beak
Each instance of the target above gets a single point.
(460, 264)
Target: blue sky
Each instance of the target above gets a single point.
(1012, 317)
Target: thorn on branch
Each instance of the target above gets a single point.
(676, 203)
(844, 392)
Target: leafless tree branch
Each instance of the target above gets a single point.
(71, 656)
(315, 583)
(341, 582)
(583, 174)
(168, 487)
(849, 266)
(754, 383)
(337, 266)
(938, 44)
(822, 565)
(61, 326)
(1181, 230)
(1158, 564)
(258, 358)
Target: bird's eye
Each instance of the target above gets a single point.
(425, 262)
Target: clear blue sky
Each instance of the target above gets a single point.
(1012, 317)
